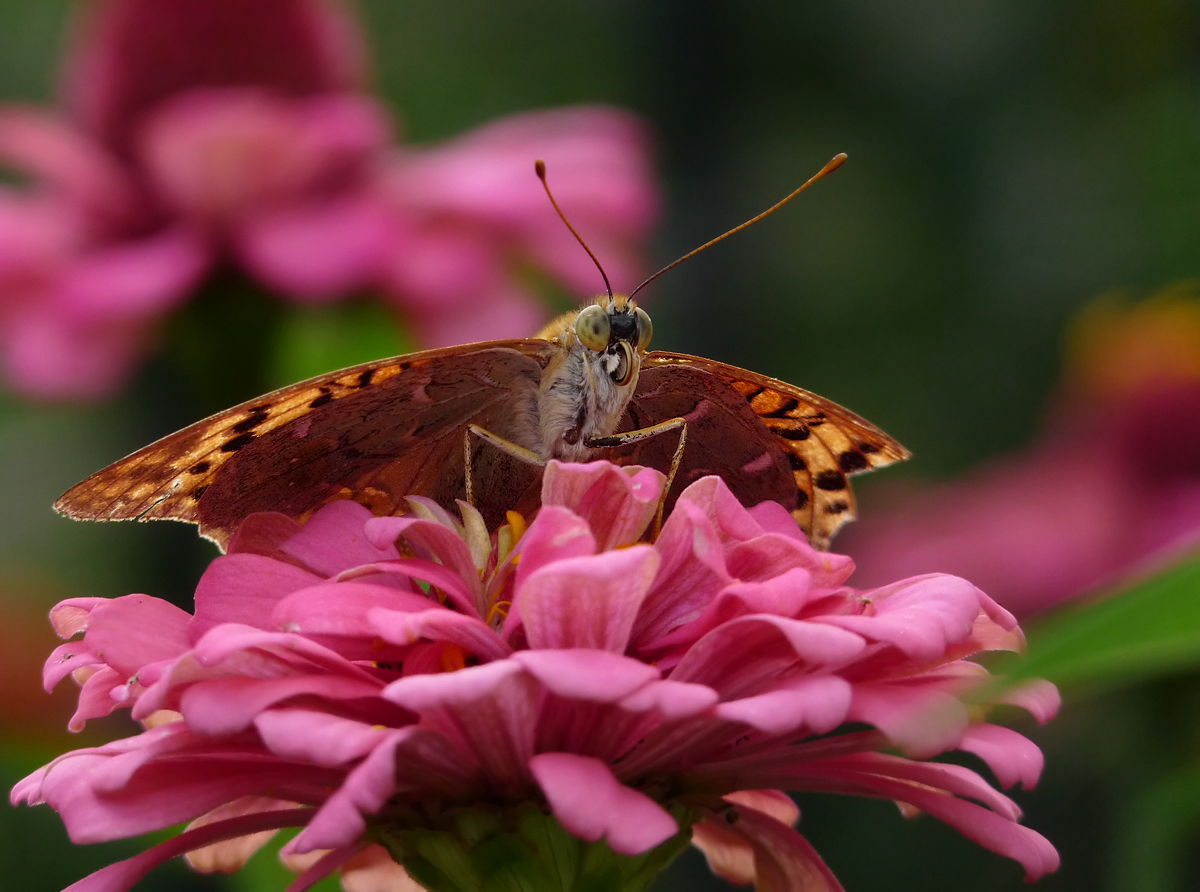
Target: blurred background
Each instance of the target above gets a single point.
(999, 278)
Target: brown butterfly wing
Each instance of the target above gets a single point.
(375, 432)
(766, 438)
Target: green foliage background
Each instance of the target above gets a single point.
(1010, 159)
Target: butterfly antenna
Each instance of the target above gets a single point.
(836, 162)
(539, 167)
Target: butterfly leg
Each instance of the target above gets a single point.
(626, 437)
(506, 446)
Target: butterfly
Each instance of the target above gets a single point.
(478, 421)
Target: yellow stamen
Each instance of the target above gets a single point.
(500, 608)
(517, 522)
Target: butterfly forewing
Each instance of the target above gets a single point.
(766, 438)
(374, 432)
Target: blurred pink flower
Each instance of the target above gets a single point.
(196, 132)
(416, 685)
(1111, 488)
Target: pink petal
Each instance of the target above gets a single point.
(1013, 758)
(334, 540)
(341, 608)
(732, 522)
(106, 794)
(317, 737)
(64, 660)
(578, 674)
(596, 161)
(757, 848)
(770, 554)
(592, 804)
(96, 698)
(314, 251)
(444, 544)
(134, 280)
(228, 705)
(690, 574)
(131, 54)
(1039, 697)
(434, 266)
(135, 630)
(983, 826)
(488, 712)
(231, 855)
(504, 311)
(818, 704)
(123, 875)
(365, 790)
(324, 866)
(671, 700)
(783, 595)
(254, 653)
(773, 803)
(469, 633)
(588, 602)
(921, 616)
(774, 518)
(555, 534)
(216, 155)
(245, 588)
(70, 616)
(47, 147)
(744, 655)
(922, 721)
(446, 582)
(618, 503)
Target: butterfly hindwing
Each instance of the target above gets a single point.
(374, 432)
(766, 438)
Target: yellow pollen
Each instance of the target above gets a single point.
(518, 525)
(453, 658)
(500, 608)
(378, 644)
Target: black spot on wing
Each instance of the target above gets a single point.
(252, 421)
(830, 481)
(198, 492)
(852, 461)
(364, 378)
(238, 442)
(801, 500)
(796, 462)
(785, 410)
(199, 467)
(838, 507)
(868, 448)
(325, 398)
(797, 433)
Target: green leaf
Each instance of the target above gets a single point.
(314, 340)
(1148, 630)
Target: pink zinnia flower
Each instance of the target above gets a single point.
(203, 131)
(412, 690)
(1111, 488)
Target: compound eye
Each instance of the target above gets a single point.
(593, 328)
(645, 328)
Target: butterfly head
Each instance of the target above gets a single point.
(616, 331)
